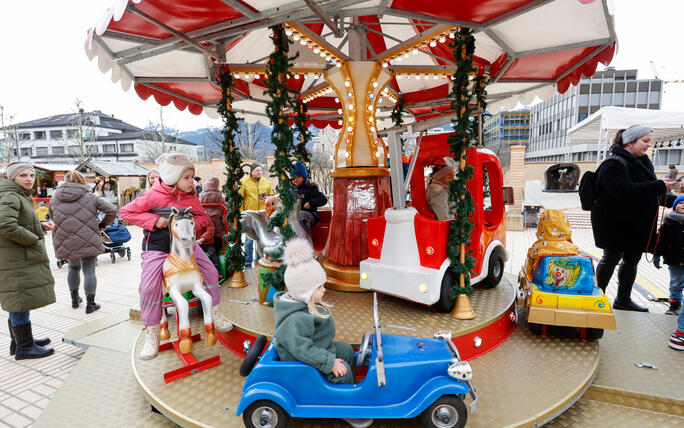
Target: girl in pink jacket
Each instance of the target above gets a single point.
(173, 188)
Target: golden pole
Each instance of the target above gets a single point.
(237, 280)
(463, 310)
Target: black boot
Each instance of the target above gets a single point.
(604, 272)
(91, 306)
(13, 343)
(675, 306)
(75, 299)
(26, 347)
(624, 302)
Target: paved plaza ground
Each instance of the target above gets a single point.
(27, 386)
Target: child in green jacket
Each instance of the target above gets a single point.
(304, 329)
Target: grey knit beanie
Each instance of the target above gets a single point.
(15, 168)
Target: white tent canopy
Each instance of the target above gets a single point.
(601, 126)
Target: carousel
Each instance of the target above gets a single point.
(375, 70)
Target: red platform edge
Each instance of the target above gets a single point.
(190, 364)
(491, 337)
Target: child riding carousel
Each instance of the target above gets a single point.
(173, 188)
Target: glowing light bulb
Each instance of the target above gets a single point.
(328, 57)
(414, 51)
(370, 108)
(296, 76)
(442, 38)
(364, 275)
(385, 64)
(377, 154)
(372, 129)
(337, 100)
(452, 33)
(288, 31)
(295, 36)
(399, 76)
(339, 111)
(374, 83)
(422, 288)
(370, 119)
(350, 94)
(346, 154)
(316, 49)
(339, 122)
(434, 77)
(371, 96)
(322, 54)
(406, 54)
(338, 65)
(350, 106)
(347, 83)
(351, 119)
(350, 129)
(433, 42)
(302, 41)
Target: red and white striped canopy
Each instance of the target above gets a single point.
(169, 49)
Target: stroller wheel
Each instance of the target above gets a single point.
(121, 253)
(113, 257)
(128, 253)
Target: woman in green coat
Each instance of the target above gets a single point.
(25, 279)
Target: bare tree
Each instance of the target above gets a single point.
(158, 138)
(9, 141)
(251, 140)
(80, 134)
(319, 170)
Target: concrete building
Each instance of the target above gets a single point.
(551, 119)
(75, 136)
(505, 129)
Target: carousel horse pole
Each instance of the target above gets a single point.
(181, 274)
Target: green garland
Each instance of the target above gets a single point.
(304, 135)
(234, 252)
(463, 48)
(397, 118)
(281, 136)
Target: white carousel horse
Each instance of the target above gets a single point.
(255, 225)
(182, 274)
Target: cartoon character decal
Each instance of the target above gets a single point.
(562, 272)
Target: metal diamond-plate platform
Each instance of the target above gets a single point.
(353, 312)
(589, 413)
(524, 381)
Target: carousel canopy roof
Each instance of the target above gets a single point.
(171, 49)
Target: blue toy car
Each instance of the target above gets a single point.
(407, 377)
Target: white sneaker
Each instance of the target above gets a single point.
(220, 322)
(151, 347)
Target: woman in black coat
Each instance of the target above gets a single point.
(629, 194)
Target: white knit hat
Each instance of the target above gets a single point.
(171, 167)
(303, 274)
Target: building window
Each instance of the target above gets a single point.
(57, 150)
(39, 135)
(91, 149)
(654, 98)
(674, 157)
(126, 148)
(642, 97)
(41, 151)
(630, 99)
(24, 135)
(56, 135)
(89, 134)
(26, 151)
(109, 148)
(72, 133)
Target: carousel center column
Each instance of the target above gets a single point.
(361, 187)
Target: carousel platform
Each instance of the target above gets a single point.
(524, 381)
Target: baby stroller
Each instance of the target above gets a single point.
(114, 237)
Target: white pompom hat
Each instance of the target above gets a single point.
(171, 167)
(303, 274)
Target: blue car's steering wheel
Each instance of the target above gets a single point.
(364, 350)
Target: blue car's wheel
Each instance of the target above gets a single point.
(265, 414)
(448, 411)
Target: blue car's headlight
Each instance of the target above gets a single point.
(460, 370)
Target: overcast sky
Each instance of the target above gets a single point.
(43, 67)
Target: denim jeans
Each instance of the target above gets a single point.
(676, 282)
(19, 318)
(680, 322)
(249, 251)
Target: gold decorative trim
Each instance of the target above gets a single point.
(360, 172)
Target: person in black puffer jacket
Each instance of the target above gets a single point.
(671, 249)
(629, 194)
(311, 197)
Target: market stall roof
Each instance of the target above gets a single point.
(171, 49)
(112, 168)
(55, 166)
(667, 125)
